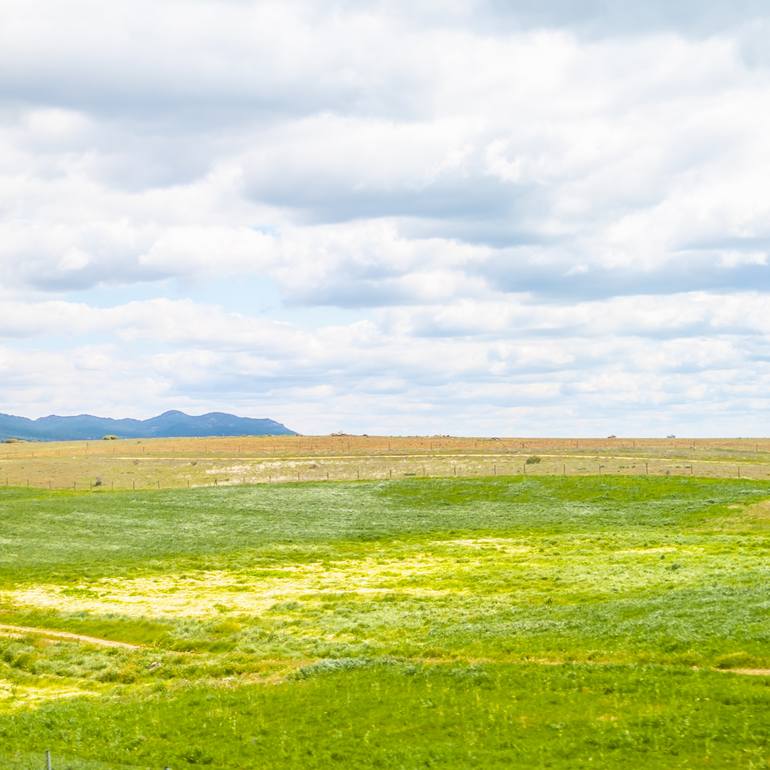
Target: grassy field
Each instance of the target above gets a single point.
(194, 462)
(503, 621)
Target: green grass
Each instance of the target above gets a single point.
(498, 622)
(416, 717)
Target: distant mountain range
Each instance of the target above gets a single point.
(171, 424)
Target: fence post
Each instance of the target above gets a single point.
(48, 759)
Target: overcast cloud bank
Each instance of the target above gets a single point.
(469, 217)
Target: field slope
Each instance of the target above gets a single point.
(489, 622)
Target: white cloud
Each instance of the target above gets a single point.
(507, 216)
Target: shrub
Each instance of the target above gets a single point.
(109, 437)
(533, 460)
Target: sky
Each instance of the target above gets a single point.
(476, 217)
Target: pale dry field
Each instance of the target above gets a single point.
(194, 462)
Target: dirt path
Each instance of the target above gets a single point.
(433, 661)
(64, 636)
(559, 662)
(746, 671)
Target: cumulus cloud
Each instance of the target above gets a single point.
(470, 215)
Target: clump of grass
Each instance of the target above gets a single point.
(330, 665)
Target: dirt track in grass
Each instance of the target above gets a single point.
(63, 636)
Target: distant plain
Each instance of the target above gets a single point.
(171, 463)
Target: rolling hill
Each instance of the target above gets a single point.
(171, 424)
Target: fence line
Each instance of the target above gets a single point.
(315, 472)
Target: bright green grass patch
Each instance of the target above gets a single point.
(384, 716)
(65, 535)
(225, 588)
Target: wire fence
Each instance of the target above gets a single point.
(373, 469)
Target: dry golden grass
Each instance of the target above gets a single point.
(147, 463)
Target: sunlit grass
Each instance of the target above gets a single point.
(508, 604)
(416, 716)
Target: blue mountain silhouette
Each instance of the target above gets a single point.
(171, 424)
